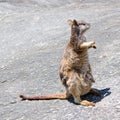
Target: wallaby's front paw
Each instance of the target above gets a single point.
(93, 45)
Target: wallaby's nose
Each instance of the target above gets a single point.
(88, 25)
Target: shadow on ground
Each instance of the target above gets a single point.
(90, 97)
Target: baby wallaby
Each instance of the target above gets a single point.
(75, 70)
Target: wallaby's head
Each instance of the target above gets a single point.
(79, 27)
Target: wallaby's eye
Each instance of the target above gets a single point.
(83, 24)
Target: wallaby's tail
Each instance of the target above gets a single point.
(47, 97)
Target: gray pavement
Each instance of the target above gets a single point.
(33, 35)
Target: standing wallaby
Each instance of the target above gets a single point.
(75, 71)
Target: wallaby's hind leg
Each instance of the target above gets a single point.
(75, 92)
(78, 100)
(88, 103)
(94, 92)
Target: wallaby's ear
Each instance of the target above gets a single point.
(70, 22)
(75, 22)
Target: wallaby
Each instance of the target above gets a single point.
(75, 70)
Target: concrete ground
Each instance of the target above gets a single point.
(33, 35)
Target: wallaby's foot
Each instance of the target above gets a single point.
(87, 103)
(94, 92)
(77, 100)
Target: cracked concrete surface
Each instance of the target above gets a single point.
(33, 35)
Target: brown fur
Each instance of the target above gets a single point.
(75, 70)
